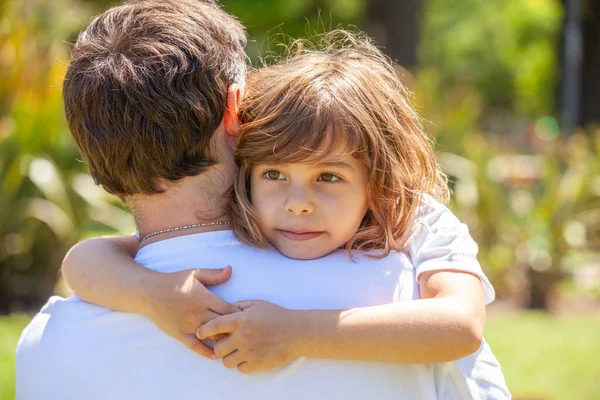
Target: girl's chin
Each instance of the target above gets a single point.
(303, 252)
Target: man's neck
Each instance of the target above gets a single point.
(192, 200)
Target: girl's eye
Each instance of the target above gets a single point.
(326, 177)
(274, 175)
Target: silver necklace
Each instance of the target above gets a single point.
(179, 228)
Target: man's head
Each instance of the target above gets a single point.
(147, 87)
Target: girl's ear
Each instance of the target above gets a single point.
(231, 119)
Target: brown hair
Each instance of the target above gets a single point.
(345, 92)
(146, 88)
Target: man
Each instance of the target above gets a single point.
(151, 99)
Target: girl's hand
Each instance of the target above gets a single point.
(178, 303)
(261, 337)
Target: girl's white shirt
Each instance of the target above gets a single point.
(439, 241)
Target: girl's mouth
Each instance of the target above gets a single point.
(291, 235)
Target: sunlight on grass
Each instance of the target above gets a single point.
(10, 329)
(546, 357)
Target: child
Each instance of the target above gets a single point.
(330, 156)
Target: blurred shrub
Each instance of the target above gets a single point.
(41, 212)
(270, 22)
(530, 210)
(505, 51)
(487, 83)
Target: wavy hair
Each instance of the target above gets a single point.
(341, 91)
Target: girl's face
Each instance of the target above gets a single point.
(308, 210)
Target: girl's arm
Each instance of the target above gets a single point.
(102, 271)
(447, 324)
(445, 327)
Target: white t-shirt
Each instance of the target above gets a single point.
(439, 241)
(76, 350)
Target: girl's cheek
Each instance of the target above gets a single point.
(258, 190)
(337, 203)
(265, 199)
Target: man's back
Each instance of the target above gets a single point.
(75, 350)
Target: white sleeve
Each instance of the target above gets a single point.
(441, 242)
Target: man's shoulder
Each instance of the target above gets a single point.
(53, 306)
(40, 349)
(47, 324)
(71, 348)
(32, 332)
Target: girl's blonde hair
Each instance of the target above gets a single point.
(341, 92)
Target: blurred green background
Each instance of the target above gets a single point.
(511, 94)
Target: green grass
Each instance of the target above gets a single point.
(543, 357)
(10, 329)
(546, 357)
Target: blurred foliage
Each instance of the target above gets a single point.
(270, 22)
(504, 51)
(44, 202)
(486, 82)
(534, 215)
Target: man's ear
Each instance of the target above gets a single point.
(231, 120)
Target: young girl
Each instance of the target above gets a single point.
(331, 155)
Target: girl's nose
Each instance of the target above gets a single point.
(299, 203)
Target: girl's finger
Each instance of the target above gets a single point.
(197, 346)
(233, 360)
(245, 368)
(220, 306)
(225, 347)
(245, 304)
(212, 276)
(222, 324)
(208, 315)
(191, 325)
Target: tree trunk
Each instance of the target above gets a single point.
(585, 108)
(541, 289)
(394, 24)
(590, 96)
